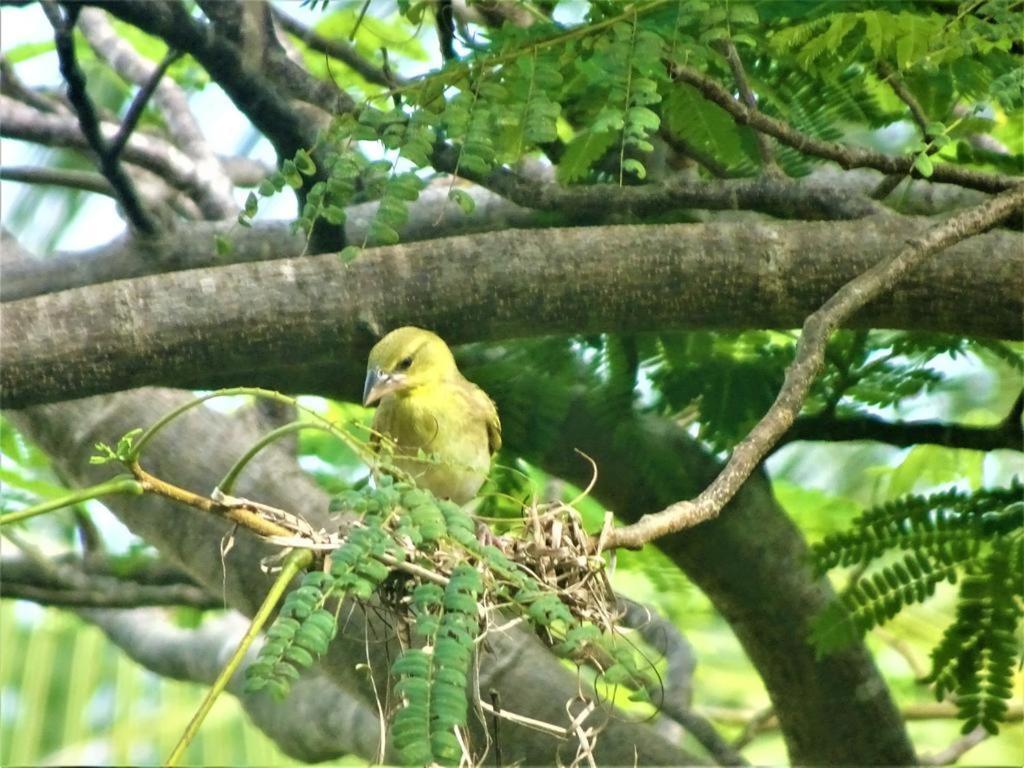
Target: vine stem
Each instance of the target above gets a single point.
(120, 484)
(296, 562)
(228, 483)
(357, 446)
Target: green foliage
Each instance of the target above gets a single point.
(733, 377)
(398, 524)
(123, 452)
(915, 543)
(594, 96)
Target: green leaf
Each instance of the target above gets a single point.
(462, 199)
(631, 165)
(923, 165)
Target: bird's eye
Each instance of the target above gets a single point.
(405, 363)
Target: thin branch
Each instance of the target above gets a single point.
(760, 721)
(845, 155)
(807, 363)
(687, 149)
(780, 197)
(18, 121)
(892, 77)
(131, 117)
(673, 700)
(12, 86)
(336, 49)
(764, 147)
(216, 200)
(957, 749)
(89, 122)
(1008, 433)
(110, 593)
(87, 181)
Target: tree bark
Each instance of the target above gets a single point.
(264, 323)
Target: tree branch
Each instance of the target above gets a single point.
(271, 113)
(109, 594)
(18, 121)
(336, 49)
(88, 120)
(677, 688)
(1007, 434)
(845, 155)
(903, 93)
(807, 363)
(218, 201)
(764, 147)
(87, 181)
(433, 215)
(784, 198)
(129, 333)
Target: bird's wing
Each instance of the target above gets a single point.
(483, 403)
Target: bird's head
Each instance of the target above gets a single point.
(405, 359)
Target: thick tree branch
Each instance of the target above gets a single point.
(432, 216)
(317, 311)
(845, 155)
(101, 593)
(807, 363)
(88, 120)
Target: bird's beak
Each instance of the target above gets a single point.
(379, 384)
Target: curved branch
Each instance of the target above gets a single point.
(336, 49)
(847, 156)
(807, 363)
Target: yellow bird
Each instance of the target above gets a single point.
(444, 427)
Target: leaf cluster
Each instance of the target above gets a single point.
(902, 551)
(422, 557)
